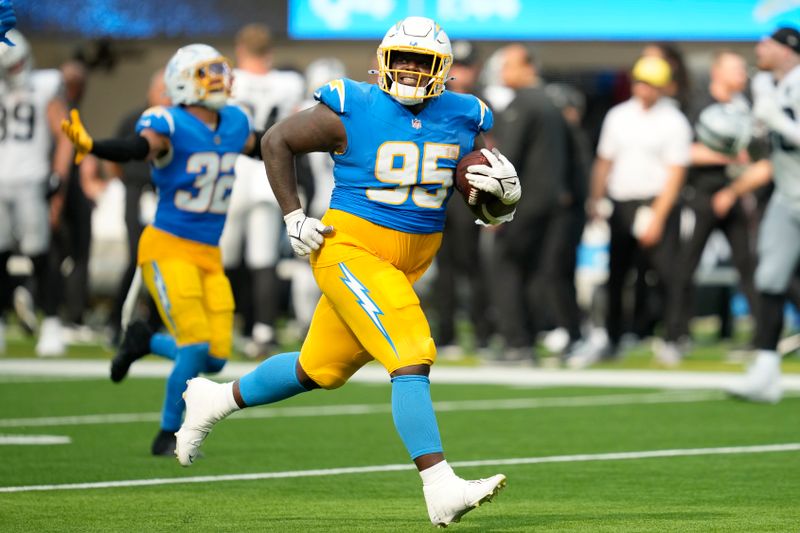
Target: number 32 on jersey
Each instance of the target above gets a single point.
(399, 163)
(215, 177)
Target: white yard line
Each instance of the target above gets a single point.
(618, 456)
(485, 374)
(365, 409)
(33, 440)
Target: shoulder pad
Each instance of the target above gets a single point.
(49, 82)
(158, 119)
(338, 95)
(485, 116)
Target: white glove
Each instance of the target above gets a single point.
(500, 179)
(306, 234)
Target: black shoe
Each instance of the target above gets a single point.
(135, 345)
(164, 444)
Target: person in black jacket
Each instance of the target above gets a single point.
(456, 259)
(535, 138)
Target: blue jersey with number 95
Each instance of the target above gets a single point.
(195, 178)
(397, 170)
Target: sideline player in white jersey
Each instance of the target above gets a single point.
(34, 158)
(776, 104)
(254, 218)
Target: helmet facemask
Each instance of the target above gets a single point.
(213, 80)
(428, 82)
(419, 36)
(198, 74)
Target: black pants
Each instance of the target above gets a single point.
(459, 260)
(625, 252)
(736, 227)
(518, 258)
(556, 274)
(72, 240)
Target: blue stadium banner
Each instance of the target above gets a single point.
(549, 20)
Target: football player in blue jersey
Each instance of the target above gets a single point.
(192, 147)
(395, 146)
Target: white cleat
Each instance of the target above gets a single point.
(762, 382)
(667, 353)
(205, 406)
(51, 340)
(454, 497)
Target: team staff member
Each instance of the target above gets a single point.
(641, 162)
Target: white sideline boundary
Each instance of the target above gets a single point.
(488, 374)
(618, 456)
(33, 440)
(379, 408)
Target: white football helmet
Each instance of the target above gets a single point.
(725, 128)
(198, 75)
(16, 61)
(415, 35)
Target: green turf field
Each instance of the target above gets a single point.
(710, 491)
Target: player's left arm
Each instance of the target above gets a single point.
(499, 179)
(317, 129)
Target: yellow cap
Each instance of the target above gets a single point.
(652, 70)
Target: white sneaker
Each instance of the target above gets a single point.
(206, 404)
(452, 498)
(591, 350)
(556, 341)
(51, 341)
(762, 382)
(667, 354)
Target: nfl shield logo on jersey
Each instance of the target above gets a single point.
(416, 124)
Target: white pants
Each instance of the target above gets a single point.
(778, 246)
(254, 222)
(24, 218)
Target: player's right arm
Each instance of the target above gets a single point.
(149, 144)
(317, 129)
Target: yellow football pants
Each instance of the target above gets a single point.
(369, 308)
(193, 296)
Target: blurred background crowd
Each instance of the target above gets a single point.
(582, 273)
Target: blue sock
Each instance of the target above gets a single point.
(272, 381)
(413, 415)
(189, 361)
(164, 345)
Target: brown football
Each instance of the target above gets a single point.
(471, 195)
